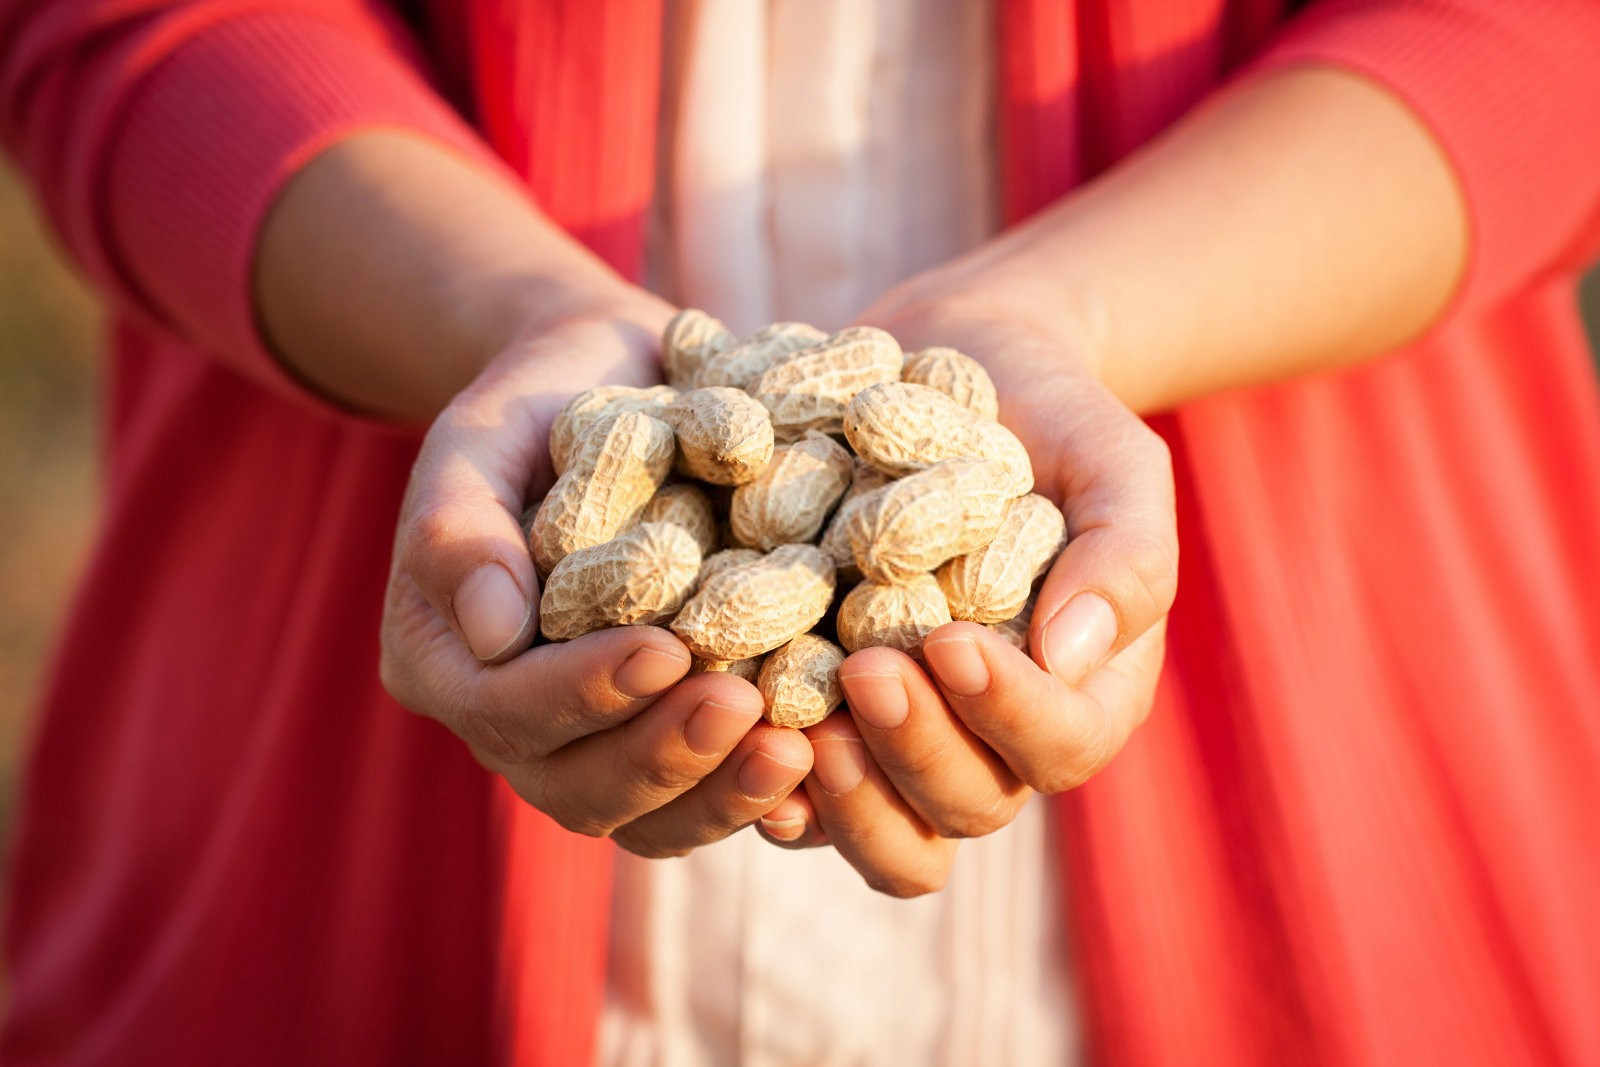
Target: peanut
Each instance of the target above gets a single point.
(811, 389)
(691, 338)
(898, 616)
(642, 576)
(957, 376)
(718, 562)
(901, 427)
(687, 506)
(747, 669)
(724, 434)
(592, 405)
(746, 361)
(992, 584)
(789, 500)
(800, 681)
(910, 526)
(836, 538)
(752, 609)
(617, 467)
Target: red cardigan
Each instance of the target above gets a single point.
(1359, 827)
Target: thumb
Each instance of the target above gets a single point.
(1119, 572)
(459, 539)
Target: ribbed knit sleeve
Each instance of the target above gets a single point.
(1511, 91)
(157, 134)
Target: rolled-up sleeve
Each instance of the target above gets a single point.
(156, 135)
(1510, 89)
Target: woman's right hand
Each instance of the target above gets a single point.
(607, 734)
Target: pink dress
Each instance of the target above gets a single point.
(1358, 828)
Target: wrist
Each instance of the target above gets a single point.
(993, 294)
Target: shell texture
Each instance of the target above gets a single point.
(799, 681)
(897, 616)
(750, 610)
(724, 434)
(811, 389)
(788, 502)
(992, 584)
(642, 576)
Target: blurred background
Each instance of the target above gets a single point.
(49, 337)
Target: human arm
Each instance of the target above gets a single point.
(279, 185)
(1039, 313)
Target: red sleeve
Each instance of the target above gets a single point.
(157, 132)
(1511, 91)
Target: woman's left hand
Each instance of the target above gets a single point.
(928, 754)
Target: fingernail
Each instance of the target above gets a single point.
(1079, 637)
(715, 727)
(763, 776)
(841, 764)
(650, 670)
(784, 829)
(787, 821)
(879, 700)
(491, 611)
(959, 665)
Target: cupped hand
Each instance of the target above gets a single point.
(952, 747)
(608, 734)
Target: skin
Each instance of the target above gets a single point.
(405, 282)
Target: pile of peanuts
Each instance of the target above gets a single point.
(805, 464)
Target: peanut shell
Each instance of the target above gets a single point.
(957, 376)
(788, 502)
(910, 526)
(748, 669)
(691, 338)
(992, 584)
(746, 361)
(642, 576)
(724, 434)
(592, 405)
(901, 427)
(897, 616)
(811, 389)
(799, 682)
(752, 609)
(689, 507)
(617, 467)
(718, 562)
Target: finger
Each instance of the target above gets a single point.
(601, 781)
(1053, 736)
(793, 823)
(530, 706)
(459, 539)
(765, 768)
(867, 820)
(1119, 571)
(950, 778)
(459, 536)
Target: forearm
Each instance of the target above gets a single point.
(391, 269)
(1302, 221)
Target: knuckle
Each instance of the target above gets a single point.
(435, 525)
(1153, 560)
(922, 762)
(904, 885)
(650, 768)
(646, 846)
(484, 730)
(961, 823)
(576, 817)
(1071, 771)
